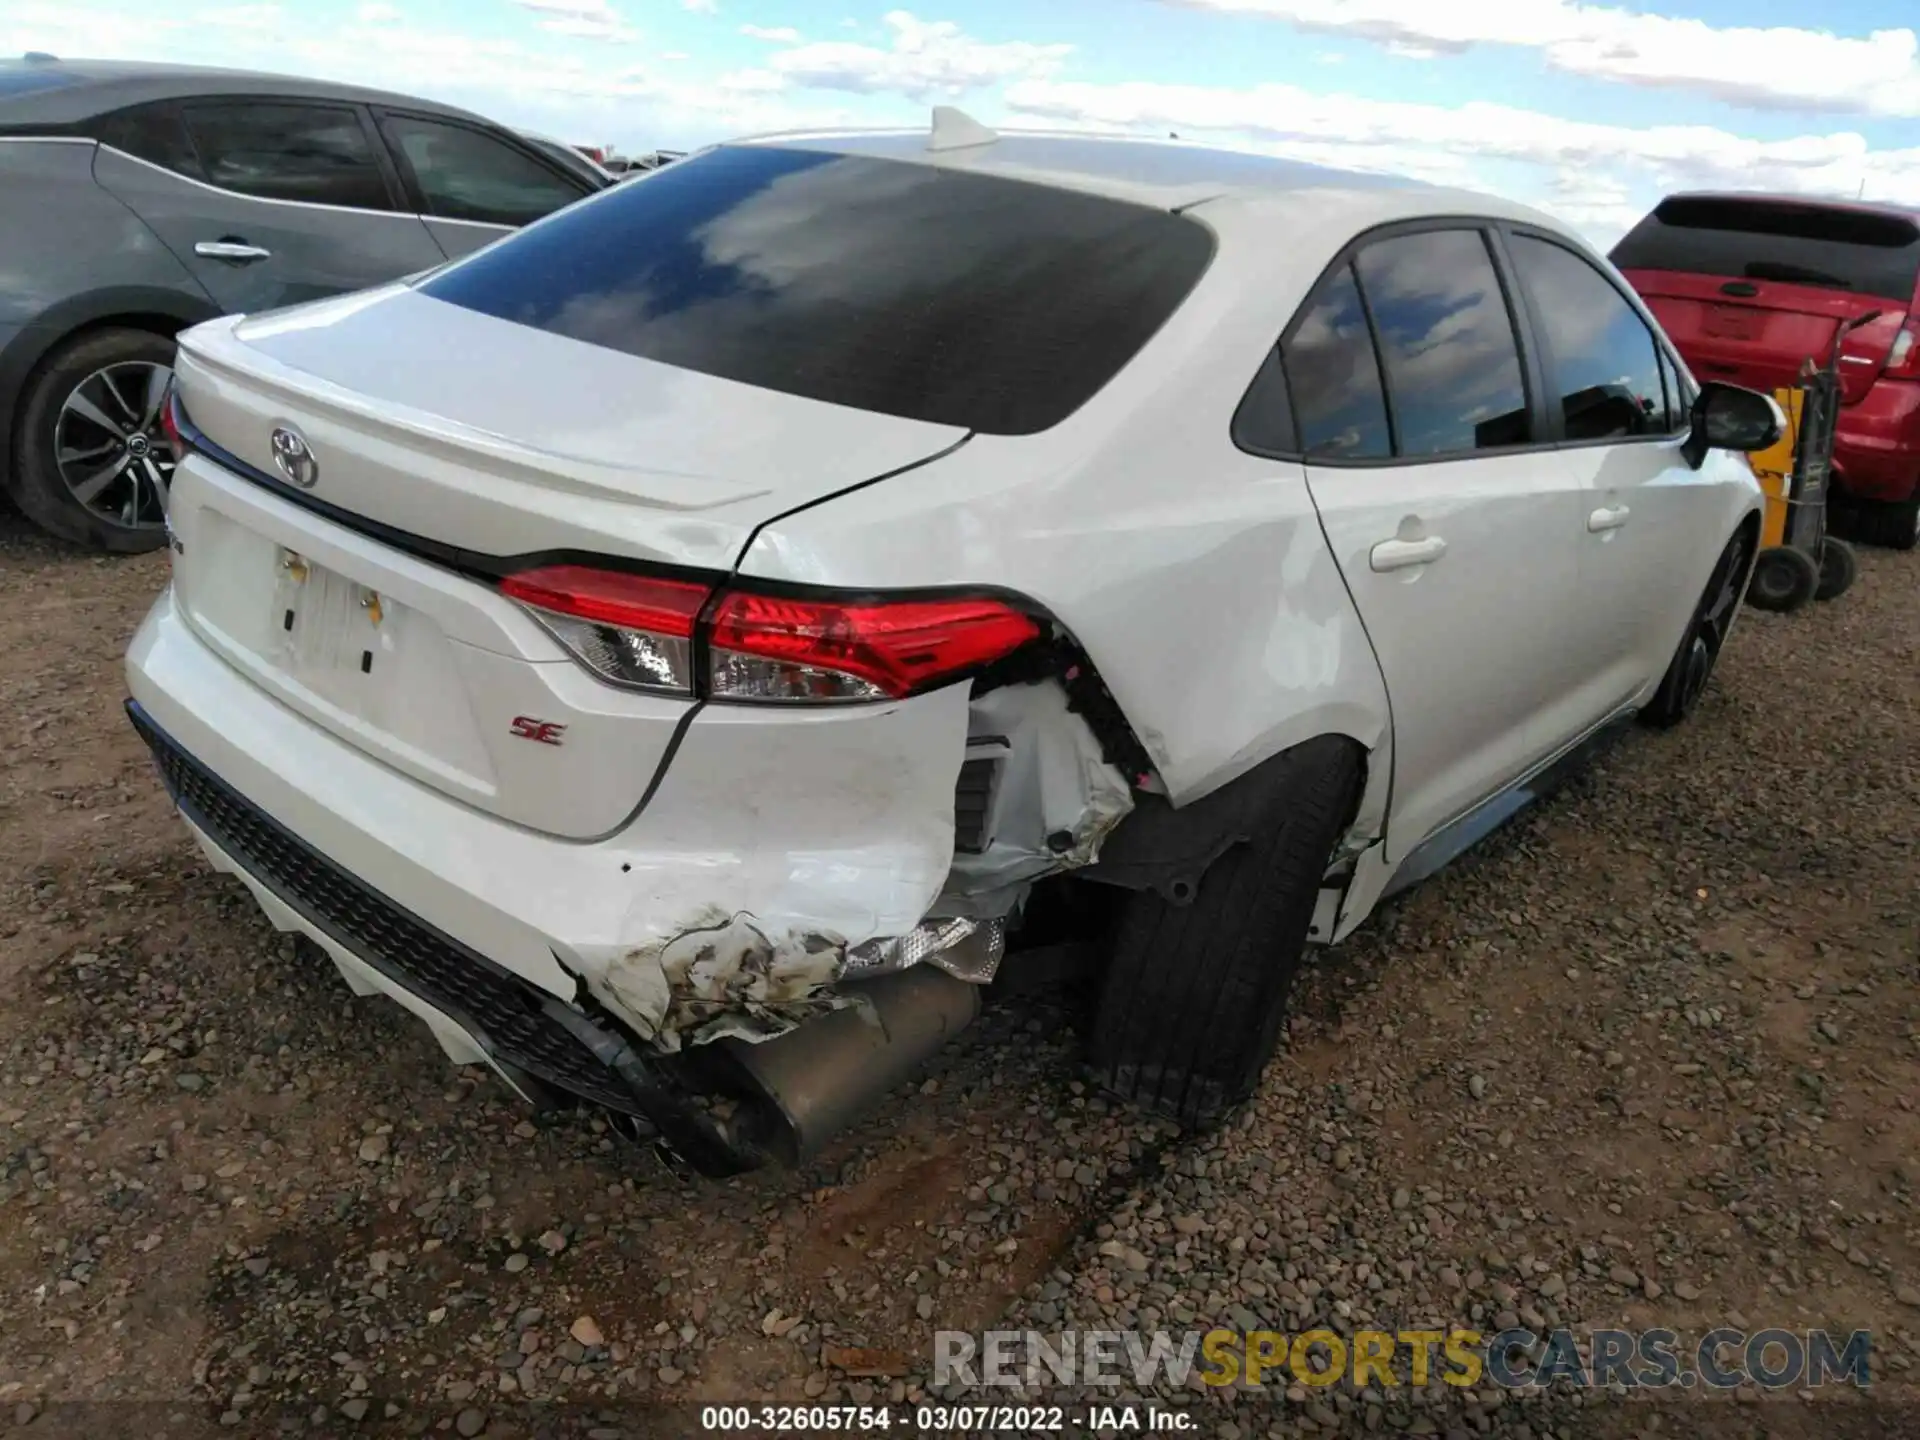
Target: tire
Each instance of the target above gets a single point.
(1890, 524)
(1784, 579)
(1705, 637)
(1191, 1004)
(105, 373)
(1839, 568)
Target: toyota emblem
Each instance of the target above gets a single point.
(293, 459)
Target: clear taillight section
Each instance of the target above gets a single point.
(1905, 354)
(648, 633)
(631, 630)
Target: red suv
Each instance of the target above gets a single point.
(1749, 286)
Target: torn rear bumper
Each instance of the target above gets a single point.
(792, 1093)
(772, 856)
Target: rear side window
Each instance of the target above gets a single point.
(1604, 362)
(464, 174)
(154, 133)
(1752, 239)
(1334, 376)
(911, 290)
(278, 150)
(1447, 342)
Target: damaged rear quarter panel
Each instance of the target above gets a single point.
(778, 839)
(1056, 799)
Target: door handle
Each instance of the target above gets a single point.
(1404, 554)
(237, 252)
(1607, 517)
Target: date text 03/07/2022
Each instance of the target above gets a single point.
(939, 1419)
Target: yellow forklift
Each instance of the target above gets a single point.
(1799, 561)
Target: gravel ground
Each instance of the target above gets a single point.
(1650, 1056)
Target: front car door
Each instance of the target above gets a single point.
(268, 202)
(1456, 536)
(472, 184)
(1653, 525)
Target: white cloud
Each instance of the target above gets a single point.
(700, 7)
(1779, 66)
(582, 19)
(1448, 144)
(777, 34)
(926, 58)
(377, 14)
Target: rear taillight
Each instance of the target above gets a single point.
(171, 415)
(648, 633)
(1905, 354)
(773, 648)
(632, 630)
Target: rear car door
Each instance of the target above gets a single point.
(1651, 529)
(472, 184)
(1455, 534)
(268, 202)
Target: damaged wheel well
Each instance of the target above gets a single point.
(1060, 658)
(1166, 849)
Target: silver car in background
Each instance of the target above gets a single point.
(141, 199)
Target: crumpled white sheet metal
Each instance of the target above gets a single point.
(1056, 801)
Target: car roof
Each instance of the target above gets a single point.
(1169, 174)
(43, 90)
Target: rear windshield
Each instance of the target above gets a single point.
(906, 289)
(1757, 240)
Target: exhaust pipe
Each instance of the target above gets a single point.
(813, 1082)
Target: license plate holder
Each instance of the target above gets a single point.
(1732, 322)
(327, 624)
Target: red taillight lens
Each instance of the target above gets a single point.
(764, 647)
(640, 631)
(170, 414)
(632, 630)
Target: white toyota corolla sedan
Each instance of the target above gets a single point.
(682, 650)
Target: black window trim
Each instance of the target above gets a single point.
(410, 182)
(1487, 228)
(1663, 350)
(184, 106)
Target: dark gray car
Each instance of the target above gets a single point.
(140, 199)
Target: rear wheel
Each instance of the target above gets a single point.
(1191, 1004)
(1784, 579)
(1839, 567)
(1706, 635)
(91, 463)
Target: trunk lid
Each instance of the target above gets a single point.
(1751, 287)
(445, 441)
(1758, 333)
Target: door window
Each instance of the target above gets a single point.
(281, 150)
(154, 133)
(1334, 376)
(1452, 362)
(1604, 361)
(466, 174)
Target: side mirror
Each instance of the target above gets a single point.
(1727, 417)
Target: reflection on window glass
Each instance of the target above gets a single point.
(465, 175)
(1604, 361)
(1679, 394)
(912, 290)
(1335, 376)
(154, 133)
(313, 153)
(1453, 367)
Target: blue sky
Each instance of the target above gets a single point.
(1591, 110)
